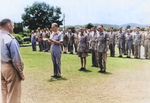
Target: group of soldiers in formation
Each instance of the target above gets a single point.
(98, 41)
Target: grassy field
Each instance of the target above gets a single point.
(74, 86)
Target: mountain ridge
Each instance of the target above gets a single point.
(107, 26)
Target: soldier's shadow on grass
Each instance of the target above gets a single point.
(86, 71)
(107, 73)
(56, 79)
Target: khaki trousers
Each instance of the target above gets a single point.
(102, 59)
(94, 57)
(147, 48)
(137, 49)
(10, 83)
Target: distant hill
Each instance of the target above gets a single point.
(133, 25)
(107, 26)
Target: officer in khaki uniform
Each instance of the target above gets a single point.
(146, 43)
(102, 48)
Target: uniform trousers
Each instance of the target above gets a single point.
(137, 49)
(94, 57)
(147, 48)
(56, 58)
(102, 59)
(41, 45)
(10, 83)
(112, 49)
(34, 45)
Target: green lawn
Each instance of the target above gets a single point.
(39, 87)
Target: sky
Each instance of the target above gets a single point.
(81, 12)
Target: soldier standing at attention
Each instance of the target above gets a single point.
(33, 40)
(133, 34)
(112, 42)
(76, 40)
(71, 41)
(102, 48)
(137, 43)
(83, 49)
(93, 46)
(11, 64)
(65, 41)
(40, 36)
(45, 38)
(121, 37)
(56, 40)
(128, 44)
(49, 33)
(146, 43)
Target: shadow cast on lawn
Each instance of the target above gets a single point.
(107, 73)
(56, 79)
(86, 71)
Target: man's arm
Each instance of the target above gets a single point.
(16, 58)
(107, 42)
(60, 42)
(56, 42)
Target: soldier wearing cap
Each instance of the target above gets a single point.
(102, 48)
(146, 43)
(137, 43)
(112, 42)
(40, 39)
(56, 40)
(128, 43)
(33, 40)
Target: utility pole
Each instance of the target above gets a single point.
(64, 20)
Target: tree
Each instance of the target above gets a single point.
(142, 29)
(72, 29)
(128, 27)
(41, 15)
(18, 28)
(89, 26)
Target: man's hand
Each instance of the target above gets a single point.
(107, 48)
(22, 76)
(50, 40)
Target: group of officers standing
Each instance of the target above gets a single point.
(98, 40)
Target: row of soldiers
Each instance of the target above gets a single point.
(128, 41)
(42, 37)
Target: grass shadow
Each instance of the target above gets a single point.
(87, 71)
(56, 79)
(107, 73)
